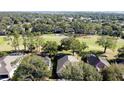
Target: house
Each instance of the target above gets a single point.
(103, 32)
(44, 54)
(122, 35)
(80, 31)
(70, 30)
(62, 62)
(70, 19)
(98, 62)
(120, 60)
(115, 33)
(2, 33)
(8, 65)
(58, 30)
(120, 57)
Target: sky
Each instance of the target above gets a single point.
(61, 5)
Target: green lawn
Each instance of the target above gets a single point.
(90, 40)
(1, 40)
(4, 44)
(53, 37)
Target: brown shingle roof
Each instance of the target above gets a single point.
(64, 61)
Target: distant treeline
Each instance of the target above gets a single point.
(101, 23)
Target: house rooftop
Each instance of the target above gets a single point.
(6, 64)
(94, 60)
(64, 61)
(104, 61)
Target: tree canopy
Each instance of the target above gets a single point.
(32, 68)
(80, 71)
(114, 73)
(107, 42)
(51, 47)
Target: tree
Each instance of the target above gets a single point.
(16, 30)
(80, 71)
(25, 42)
(41, 26)
(113, 73)
(65, 43)
(64, 25)
(120, 56)
(75, 45)
(107, 42)
(83, 46)
(121, 50)
(32, 42)
(15, 41)
(107, 29)
(28, 40)
(98, 27)
(75, 24)
(4, 23)
(51, 47)
(39, 42)
(89, 28)
(27, 26)
(32, 68)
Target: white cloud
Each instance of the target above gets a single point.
(61, 5)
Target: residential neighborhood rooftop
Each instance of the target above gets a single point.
(62, 62)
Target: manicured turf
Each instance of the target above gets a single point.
(4, 44)
(1, 40)
(53, 37)
(90, 40)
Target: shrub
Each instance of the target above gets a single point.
(113, 73)
(3, 54)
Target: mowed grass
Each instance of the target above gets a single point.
(53, 37)
(4, 44)
(90, 40)
(1, 40)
